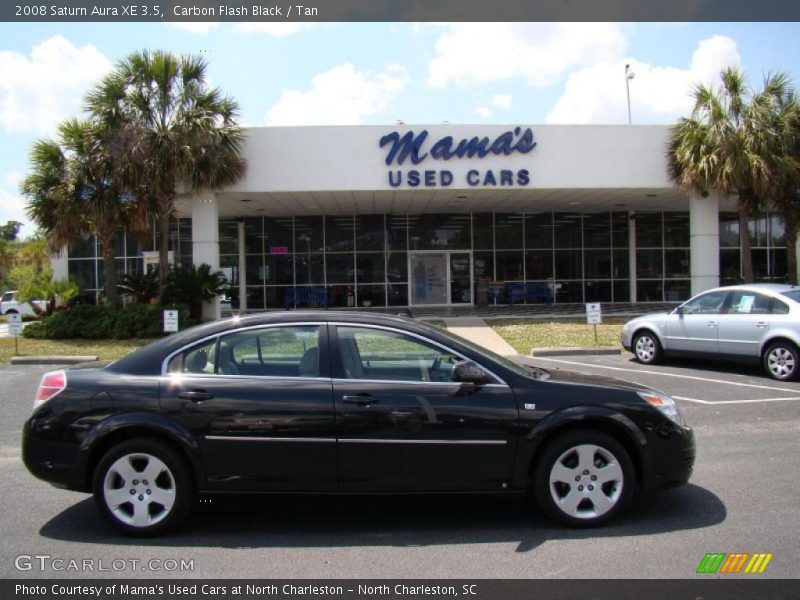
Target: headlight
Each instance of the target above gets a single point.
(665, 404)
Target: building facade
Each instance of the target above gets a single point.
(422, 216)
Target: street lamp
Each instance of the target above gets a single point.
(629, 74)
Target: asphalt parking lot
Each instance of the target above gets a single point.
(743, 497)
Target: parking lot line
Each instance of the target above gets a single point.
(749, 401)
(662, 374)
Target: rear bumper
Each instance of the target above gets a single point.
(50, 459)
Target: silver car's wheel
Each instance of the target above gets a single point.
(647, 348)
(583, 478)
(139, 490)
(143, 487)
(586, 481)
(781, 361)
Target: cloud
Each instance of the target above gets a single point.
(341, 95)
(483, 112)
(502, 101)
(199, 27)
(470, 54)
(277, 30)
(40, 89)
(659, 94)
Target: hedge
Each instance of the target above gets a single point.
(92, 322)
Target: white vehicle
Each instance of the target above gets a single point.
(10, 306)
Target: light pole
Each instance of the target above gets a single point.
(629, 74)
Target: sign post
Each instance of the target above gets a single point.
(15, 328)
(594, 316)
(170, 321)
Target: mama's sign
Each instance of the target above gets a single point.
(416, 148)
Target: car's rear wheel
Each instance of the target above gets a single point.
(143, 487)
(647, 348)
(583, 479)
(781, 361)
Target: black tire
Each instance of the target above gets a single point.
(11, 311)
(581, 491)
(646, 347)
(781, 361)
(140, 514)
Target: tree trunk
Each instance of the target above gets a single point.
(163, 252)
(107, 244)
(743, 207)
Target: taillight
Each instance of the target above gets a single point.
(52, 383)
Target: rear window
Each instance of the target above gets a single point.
(792, 295)
(7, 297)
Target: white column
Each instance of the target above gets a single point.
(704, 241)
(632, 253)
(242, 270)
(59, 264)
(205, 242)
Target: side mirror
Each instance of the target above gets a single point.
(468, 372)
(678, 310)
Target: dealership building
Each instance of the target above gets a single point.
(427, 216)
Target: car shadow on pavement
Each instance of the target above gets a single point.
(398, 521)
(710, 365)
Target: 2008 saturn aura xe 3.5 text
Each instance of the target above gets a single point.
(349, 403)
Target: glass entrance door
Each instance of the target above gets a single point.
(440, 278)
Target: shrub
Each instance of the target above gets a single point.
(88, 321)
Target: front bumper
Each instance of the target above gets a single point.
(625, 340)
(671, 451)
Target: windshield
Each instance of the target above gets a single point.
(516, 368)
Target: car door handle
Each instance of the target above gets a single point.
(712, 323)
(360, 400)
(761, 324)
(196, 395)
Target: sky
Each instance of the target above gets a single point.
(379, 73)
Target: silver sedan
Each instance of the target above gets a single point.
(755, 323)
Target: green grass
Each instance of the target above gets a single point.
(525, 334)
(104, 349)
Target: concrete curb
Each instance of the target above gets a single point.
(586, 351)
(51, 360)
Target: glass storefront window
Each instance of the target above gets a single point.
(340, 268)
(729, 230)
(339, 233)
(440, 231)
(621, 264)
(279, 233)
(538, 230)
(508, 231)
(649, 264)
(567, 230)
(568, 264)
(309, 269)
(228, 236)
(371, 296)
(597, 230)
(620, 224)
(649, 232)
(370, 267)
(597, 264)
(253, 235)
(650, 291)
(483, 231)
(539, 264)
(397, 267)
(597, 291)
(508, 265)
(676, 263)
(369, 233)
(676, 290)
(308, 234)
(397, 232)
(676, 230)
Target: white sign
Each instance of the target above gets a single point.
(593, 314)
(170, 320)
(14, 324)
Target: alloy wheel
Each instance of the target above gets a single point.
(781, 362)
(645, 348)
(586, 481)
(139, 489)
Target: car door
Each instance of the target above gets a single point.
(259, 404)
(745, 322)
(693, 328)
(403, 424)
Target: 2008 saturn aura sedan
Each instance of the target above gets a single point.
(348, 403)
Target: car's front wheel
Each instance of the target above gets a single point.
(781, 361)
(143, 487)
(647, 348)
(583, 479)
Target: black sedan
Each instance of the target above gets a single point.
(348, 403)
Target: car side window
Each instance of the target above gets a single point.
(778, 307)
(290, 351)
(392, 356)
(7, 297)
(707, 304)
(749, 303)
(198, 359)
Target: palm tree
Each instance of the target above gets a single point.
(169, 132)
(71, 193)
(194, 285)
(725, 146)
